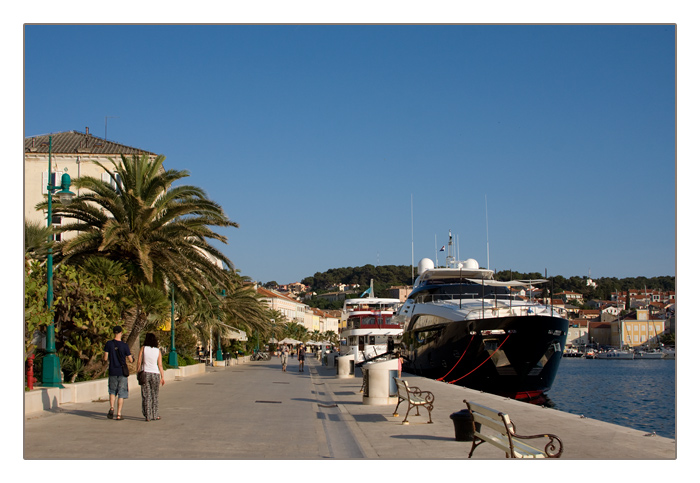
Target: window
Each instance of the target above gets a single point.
(369, 321)
(56, 221)
(108, 179)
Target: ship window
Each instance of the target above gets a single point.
(369, 321)
(425, 321)
(389, 321)
(427, 336)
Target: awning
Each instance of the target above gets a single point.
(234, 334)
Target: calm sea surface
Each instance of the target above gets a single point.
(634, 393)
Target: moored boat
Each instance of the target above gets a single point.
(463, 327)
(368, 329)
(615, 354)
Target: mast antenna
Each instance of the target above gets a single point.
(487, 232)
(412, 276)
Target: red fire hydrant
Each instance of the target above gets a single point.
(30, 372)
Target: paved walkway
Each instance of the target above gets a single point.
(255, 411)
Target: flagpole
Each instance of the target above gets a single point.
(436, 260)
(412, 276)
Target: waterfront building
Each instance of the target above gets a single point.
(578, 333)
(295, 311)
(72, 152)
(639, 329)
(292, 310)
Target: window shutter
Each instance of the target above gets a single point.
(45, 181)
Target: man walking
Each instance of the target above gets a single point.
(117, 353)
(285, 355)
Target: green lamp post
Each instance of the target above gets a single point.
(51, 366)
(172, 357)
(219, 355)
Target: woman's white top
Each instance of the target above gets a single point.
(150, 359)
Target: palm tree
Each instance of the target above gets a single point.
(36, 237)
(160, 233)
(244, 309)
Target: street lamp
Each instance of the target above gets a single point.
(219, 355)
(51, 365)
(172, 357)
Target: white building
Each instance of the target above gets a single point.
(72, 153)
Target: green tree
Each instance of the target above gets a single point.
(160, 232)
(84, 312)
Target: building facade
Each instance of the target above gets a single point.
(72, 152)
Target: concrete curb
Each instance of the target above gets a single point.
(51, 398)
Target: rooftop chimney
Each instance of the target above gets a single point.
(87, 130)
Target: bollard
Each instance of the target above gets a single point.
(30, 372)
(378, 385)
(346, 366)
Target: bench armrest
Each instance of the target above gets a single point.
(427, 395)
(553, 448)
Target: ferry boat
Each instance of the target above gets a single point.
(463, 327)
(368, 329)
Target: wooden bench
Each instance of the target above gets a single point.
(501, 434)
(414, 398)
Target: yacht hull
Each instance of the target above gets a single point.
(515, 356)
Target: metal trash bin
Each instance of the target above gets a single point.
(464, 425)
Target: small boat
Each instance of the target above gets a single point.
(615, 354)
(572, 353)
(368, 329)
(650, 354)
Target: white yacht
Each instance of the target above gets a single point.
(368, 329)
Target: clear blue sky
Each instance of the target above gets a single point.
(314, 138)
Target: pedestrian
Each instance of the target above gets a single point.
(151, 363)
(400, 364)
(284, 355)
(117, 353)
(301, 357)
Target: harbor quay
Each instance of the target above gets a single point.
(255, 411)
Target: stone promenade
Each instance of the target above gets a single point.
(256, 411)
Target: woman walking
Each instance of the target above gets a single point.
(301, 356)
(151, 362)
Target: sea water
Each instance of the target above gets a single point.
(639, 394)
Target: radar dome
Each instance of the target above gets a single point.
(470, 264)
(425, 264)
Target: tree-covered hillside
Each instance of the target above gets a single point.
(386, 276)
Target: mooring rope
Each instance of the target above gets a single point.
(487, 359)
(453, 367)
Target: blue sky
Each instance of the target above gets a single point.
(315, 138)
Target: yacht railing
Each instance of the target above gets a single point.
(497, 306)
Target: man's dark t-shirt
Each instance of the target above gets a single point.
(115, 365)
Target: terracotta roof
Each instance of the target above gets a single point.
(74, 142)
(270, 294)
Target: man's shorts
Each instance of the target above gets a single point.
(119, 386)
